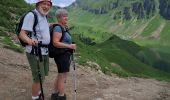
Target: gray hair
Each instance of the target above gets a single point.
(61, 12)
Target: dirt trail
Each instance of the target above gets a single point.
(15, 79)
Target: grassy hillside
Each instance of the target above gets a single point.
(105, 23)
(11, 10)
(118, 56)
(150, 34)
(82, 14)
(97, 38)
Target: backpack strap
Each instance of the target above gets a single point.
(62, 29)
(54, 51)
(35, 21)
(19, 26)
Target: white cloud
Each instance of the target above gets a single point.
(30, 1)
(61, 3)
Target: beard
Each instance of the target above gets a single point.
(43, 12)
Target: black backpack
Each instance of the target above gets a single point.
(20, 23)
(54, 51)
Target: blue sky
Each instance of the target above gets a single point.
(61, 3)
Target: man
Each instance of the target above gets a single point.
(42, 36)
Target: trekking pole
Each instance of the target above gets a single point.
(39, 59)
(74, 75)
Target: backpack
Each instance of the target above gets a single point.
(54, 51)
(20, 23)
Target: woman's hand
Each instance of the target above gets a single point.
(72, 46)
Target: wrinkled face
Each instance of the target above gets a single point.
(44, 7)
(63, 19)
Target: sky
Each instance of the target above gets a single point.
(60, 3)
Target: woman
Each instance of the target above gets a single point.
(63, 60)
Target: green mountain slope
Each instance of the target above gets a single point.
(11, 10)
(96, 34)
(119, 56)
(99, 20)
(83, 13)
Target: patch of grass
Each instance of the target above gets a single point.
(152, 26)
(107, 52)
(120, 72)
(8, 43)
(164, 40)
(9, 17)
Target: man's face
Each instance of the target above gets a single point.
(44, 7)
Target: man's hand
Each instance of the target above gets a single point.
(32, 42)
(24, 37)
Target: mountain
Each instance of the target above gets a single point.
(142, 26)
(129, 19)
(107, 44)
(97, 50)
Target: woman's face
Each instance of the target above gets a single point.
(63, 20)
